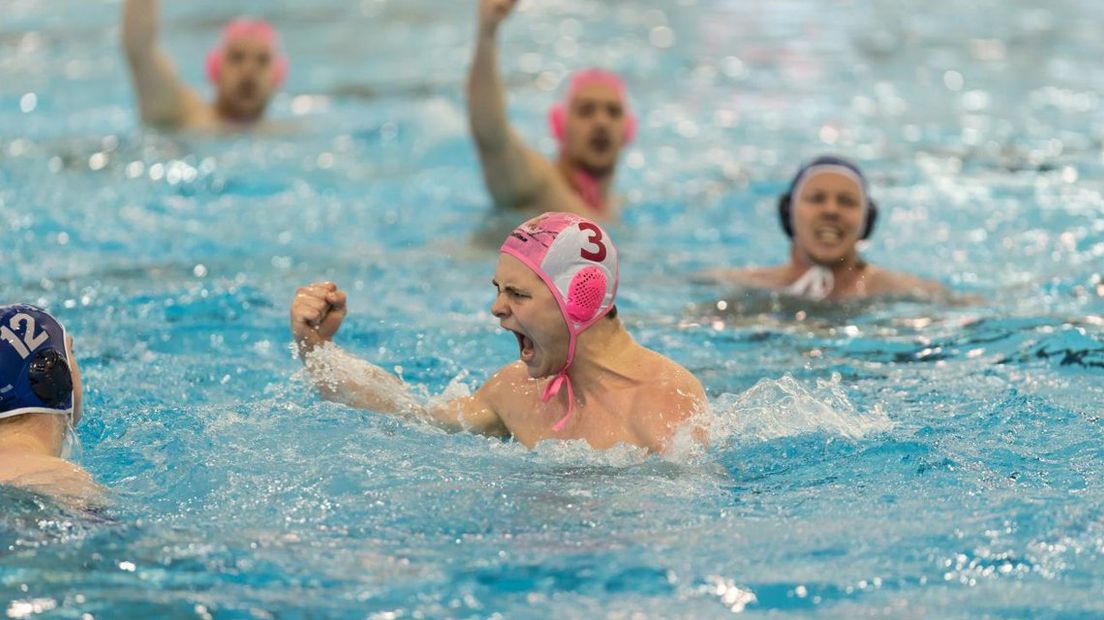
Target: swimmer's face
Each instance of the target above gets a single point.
(525, 306)
(246, 78)
(828, 216)
(594, 129)
(78, 389)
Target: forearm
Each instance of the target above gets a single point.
(486, 97)
(140, 28)
(343, 378)
(162, 98)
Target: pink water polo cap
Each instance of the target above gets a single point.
(244, 28)
(557, 114)
(577, 261)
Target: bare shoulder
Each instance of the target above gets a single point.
(200, 116)
(48, 475)
(885, 282)
(751, 277)
(557, 195)
(510, 382)
(680, 392)
(671, 400)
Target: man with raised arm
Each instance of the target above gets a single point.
(592, 124)
(579, 374)
(40, 402)
(246, 68)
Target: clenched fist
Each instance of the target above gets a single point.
(316, 312)
(492, 12)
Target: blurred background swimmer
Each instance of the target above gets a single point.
(826, 212)
(40, 403)
(580, 375)
(246, 68)
(592, 125)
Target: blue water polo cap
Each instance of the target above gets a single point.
(34, 366)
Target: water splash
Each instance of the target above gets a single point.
(775, 408)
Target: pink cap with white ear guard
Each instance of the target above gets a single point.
(247, 28)
(557, 114)
(577, 261)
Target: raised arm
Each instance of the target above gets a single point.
(514, 174)
(162, 98)
(316, 313)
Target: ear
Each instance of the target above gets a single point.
(630, 128)
(556, 121)
(214, 62)
(784, 214)
(281, 70)
(871, 218)
(585, 294)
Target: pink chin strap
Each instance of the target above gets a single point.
(581, 308)
(590, 191)
(242, 28)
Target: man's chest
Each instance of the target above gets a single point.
(601, 423)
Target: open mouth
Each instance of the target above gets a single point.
(601, 142)
(247, 89)
(526, 349)
(828, 234)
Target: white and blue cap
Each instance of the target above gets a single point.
(35, 372)
(827, 163)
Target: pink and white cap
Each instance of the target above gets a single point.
(577, 261)
(247, 28)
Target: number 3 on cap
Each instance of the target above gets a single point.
(596, 239)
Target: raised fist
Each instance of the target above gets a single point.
(316, 312)
(492, 12)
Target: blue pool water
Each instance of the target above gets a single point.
(882, 459)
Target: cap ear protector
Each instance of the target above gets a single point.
(785, 205)
(50, 377)
(214, 65)
(585, 294)
(557, 123)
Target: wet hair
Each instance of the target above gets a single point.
(612, 314)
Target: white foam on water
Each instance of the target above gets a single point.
(771, 409)
(775, 408)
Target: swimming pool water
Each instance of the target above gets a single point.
(880, 459)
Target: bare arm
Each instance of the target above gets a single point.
(162, 98)
(514, 174)
(316, 313)
(754, 277)
(718, 275)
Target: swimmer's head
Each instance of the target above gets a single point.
(593, 121)
(246, 68)
(827, 209)
(557, 275)
(38, 372)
